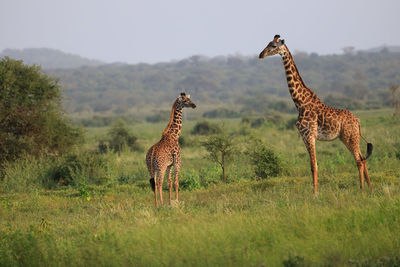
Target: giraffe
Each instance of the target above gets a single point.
(317, 121)
(166, 153)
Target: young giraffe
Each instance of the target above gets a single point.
(317, 120)
(166, 153)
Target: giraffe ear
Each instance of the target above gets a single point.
(188, 96)
(282, 42)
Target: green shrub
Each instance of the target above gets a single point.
(210, 175)
(27, 174)
(257, 123)
(290, 124)
(294, 261)
(159, 117)
(119, 138)
(265, 161)
(83, 168)
(205, 128)
(190, 182)
(254, 122)
(343, 102)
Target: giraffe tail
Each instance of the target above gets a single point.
(369, 146)
(153, 184)
(369, 150)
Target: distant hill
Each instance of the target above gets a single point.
(49, 58)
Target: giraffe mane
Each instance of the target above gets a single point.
(171, 118)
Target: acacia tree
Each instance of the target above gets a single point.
(220, 150)
(32, 121)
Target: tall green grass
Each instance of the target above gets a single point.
(243, 223)
(106, 215)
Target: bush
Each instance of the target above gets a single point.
(190, 182)
(290, 124)
(158, 117)
(205, 128)
(31, 118)
(343, 102)
(254, 122)
(119, 138)
(27, 174)
(210, 175)
(265, 161)
(294, 261)
(82, 168)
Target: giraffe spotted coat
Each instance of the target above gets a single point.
(166, 153)
(317, 121)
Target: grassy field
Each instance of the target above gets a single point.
(247, 222)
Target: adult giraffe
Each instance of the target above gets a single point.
(166, 153)
(318, 121)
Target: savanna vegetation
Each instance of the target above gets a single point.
(232, 86)
(92, 204)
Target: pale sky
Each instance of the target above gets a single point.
(151, 31)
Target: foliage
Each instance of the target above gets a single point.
(269, 120)
(290, 124)
(190, 181)
(158, 117)
(205, 128)
(76, 169)
(103, 121)
(106, 217)
(119, 138)
(221, 113)
(294, 261)
(81, 168)
(343, 102)
(221, 149)
(31, 119)
(243, 83)
(265, 161)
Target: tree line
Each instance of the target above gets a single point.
(354, 81)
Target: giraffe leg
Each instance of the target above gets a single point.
(366, 175)
(360, 167)
(310, 145)
(351, 141)
(155, 190)
(169, 182)
(177, 168)
(160, 183)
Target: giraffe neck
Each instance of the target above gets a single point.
(300, 93)
(173, 129)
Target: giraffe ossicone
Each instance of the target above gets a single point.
(317, 121)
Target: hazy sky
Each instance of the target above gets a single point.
(152, 31)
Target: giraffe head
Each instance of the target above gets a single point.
(184, 101)
(274, 47)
